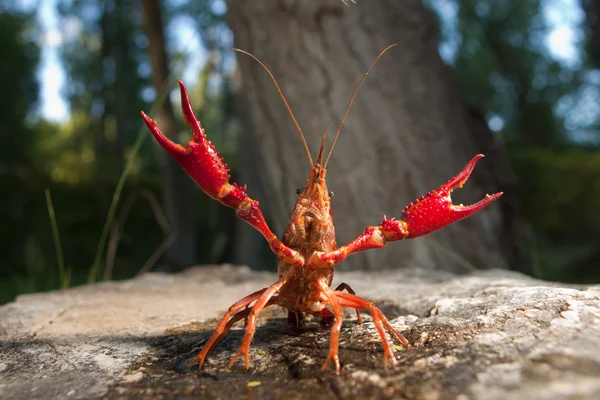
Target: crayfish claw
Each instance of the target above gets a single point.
(459, 180)
(481, 204)
(435, 210)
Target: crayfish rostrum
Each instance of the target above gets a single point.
(307, 253)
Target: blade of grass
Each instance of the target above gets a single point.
(119, 225)
(55, 234)
(536, 268)
(95, 268)
(67, 281)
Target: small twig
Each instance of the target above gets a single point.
(117, 229)
(157, 254)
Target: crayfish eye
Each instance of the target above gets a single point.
(331, 194)
(298, 191)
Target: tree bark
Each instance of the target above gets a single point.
(408, 131)
(179, 190)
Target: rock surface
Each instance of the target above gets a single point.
(488, 335)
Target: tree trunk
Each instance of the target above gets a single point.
(407, 134)
(179, 190)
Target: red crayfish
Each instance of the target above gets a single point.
(308, 252)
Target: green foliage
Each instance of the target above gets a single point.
(20, 55)
(19, 88)
(502, 65)
(102, 58)
(559, 191)
(562, 206)
(81, 161)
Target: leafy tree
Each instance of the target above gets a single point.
(18, 174)
(104, 56)
(503, 68)
(20, 57)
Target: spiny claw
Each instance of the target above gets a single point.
(199, 158)
(206, 167)
(435, 210)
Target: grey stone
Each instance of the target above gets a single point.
(488, 335)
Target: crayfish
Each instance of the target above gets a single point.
(307, 253)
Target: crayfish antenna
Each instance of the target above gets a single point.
(282, 98)
(320, 155)
(352, 100)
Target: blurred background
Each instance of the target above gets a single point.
(88, 196)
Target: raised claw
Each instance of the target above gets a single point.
(206, 167)
(435, 210)
(199, 158)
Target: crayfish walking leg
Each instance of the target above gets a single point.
(334, 340)
(262, 302)
(224, 326)
(344, 286)
(380, 321)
